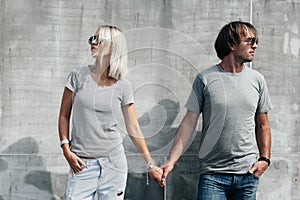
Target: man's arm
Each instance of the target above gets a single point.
(263, 139)
(183, 136)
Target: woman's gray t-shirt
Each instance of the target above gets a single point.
(228, 103)
(95, 113)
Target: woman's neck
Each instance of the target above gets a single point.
(101, 69)
(100, 74)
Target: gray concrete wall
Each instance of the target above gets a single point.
(169, 42)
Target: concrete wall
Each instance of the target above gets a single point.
(169, 42)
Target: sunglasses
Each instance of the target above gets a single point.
(95, 38)
(252, 41)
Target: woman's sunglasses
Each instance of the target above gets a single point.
(94, 38)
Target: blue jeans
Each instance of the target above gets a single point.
(105, 176)
(227, 186)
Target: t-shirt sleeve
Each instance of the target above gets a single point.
(127, 97)
(195, 100)
(72, 80)
(264, 102)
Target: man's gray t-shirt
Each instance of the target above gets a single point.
(228, 103)
(95, 112)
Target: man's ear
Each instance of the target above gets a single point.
(232, 46)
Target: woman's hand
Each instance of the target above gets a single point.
(74, 161)
(156, 174)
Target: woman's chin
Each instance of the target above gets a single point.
(94, 54)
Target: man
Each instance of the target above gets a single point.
(234, 102)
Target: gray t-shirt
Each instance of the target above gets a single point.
(95, 113)
(228, 103)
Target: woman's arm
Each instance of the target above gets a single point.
(64, 116)
(137, 137)
(74, 161)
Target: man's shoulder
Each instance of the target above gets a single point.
(208, 70)
(211, 69)
(205, 73)
(254, 73)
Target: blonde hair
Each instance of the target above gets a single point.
(118, 59)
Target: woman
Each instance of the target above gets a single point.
(96, 95)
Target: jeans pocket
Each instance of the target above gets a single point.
(71, 184)
(119, 162)
(255, 177)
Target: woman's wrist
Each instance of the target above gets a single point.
(64, 142)
(150, 164)
(152, 169)
(66, 149)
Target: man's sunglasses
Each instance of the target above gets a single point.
(252, 41)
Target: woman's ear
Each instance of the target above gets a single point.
(110, 47)
(107, 48)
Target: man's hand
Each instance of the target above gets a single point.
(258, 168)
(167, 167)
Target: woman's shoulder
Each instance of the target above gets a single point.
(81, 70)
(123, 83)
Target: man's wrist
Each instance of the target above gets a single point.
(171, 162)
(263, 158)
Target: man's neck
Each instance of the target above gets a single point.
(229, 65)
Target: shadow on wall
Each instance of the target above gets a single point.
(185, 172)
(24, 174)
(157, 139)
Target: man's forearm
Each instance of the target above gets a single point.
(263, 137)
(183, 136)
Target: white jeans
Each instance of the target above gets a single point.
(105, 176)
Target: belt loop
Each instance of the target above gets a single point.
(86, 163)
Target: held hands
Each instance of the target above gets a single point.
(156, 174)
(159, 174)
(167, 167)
